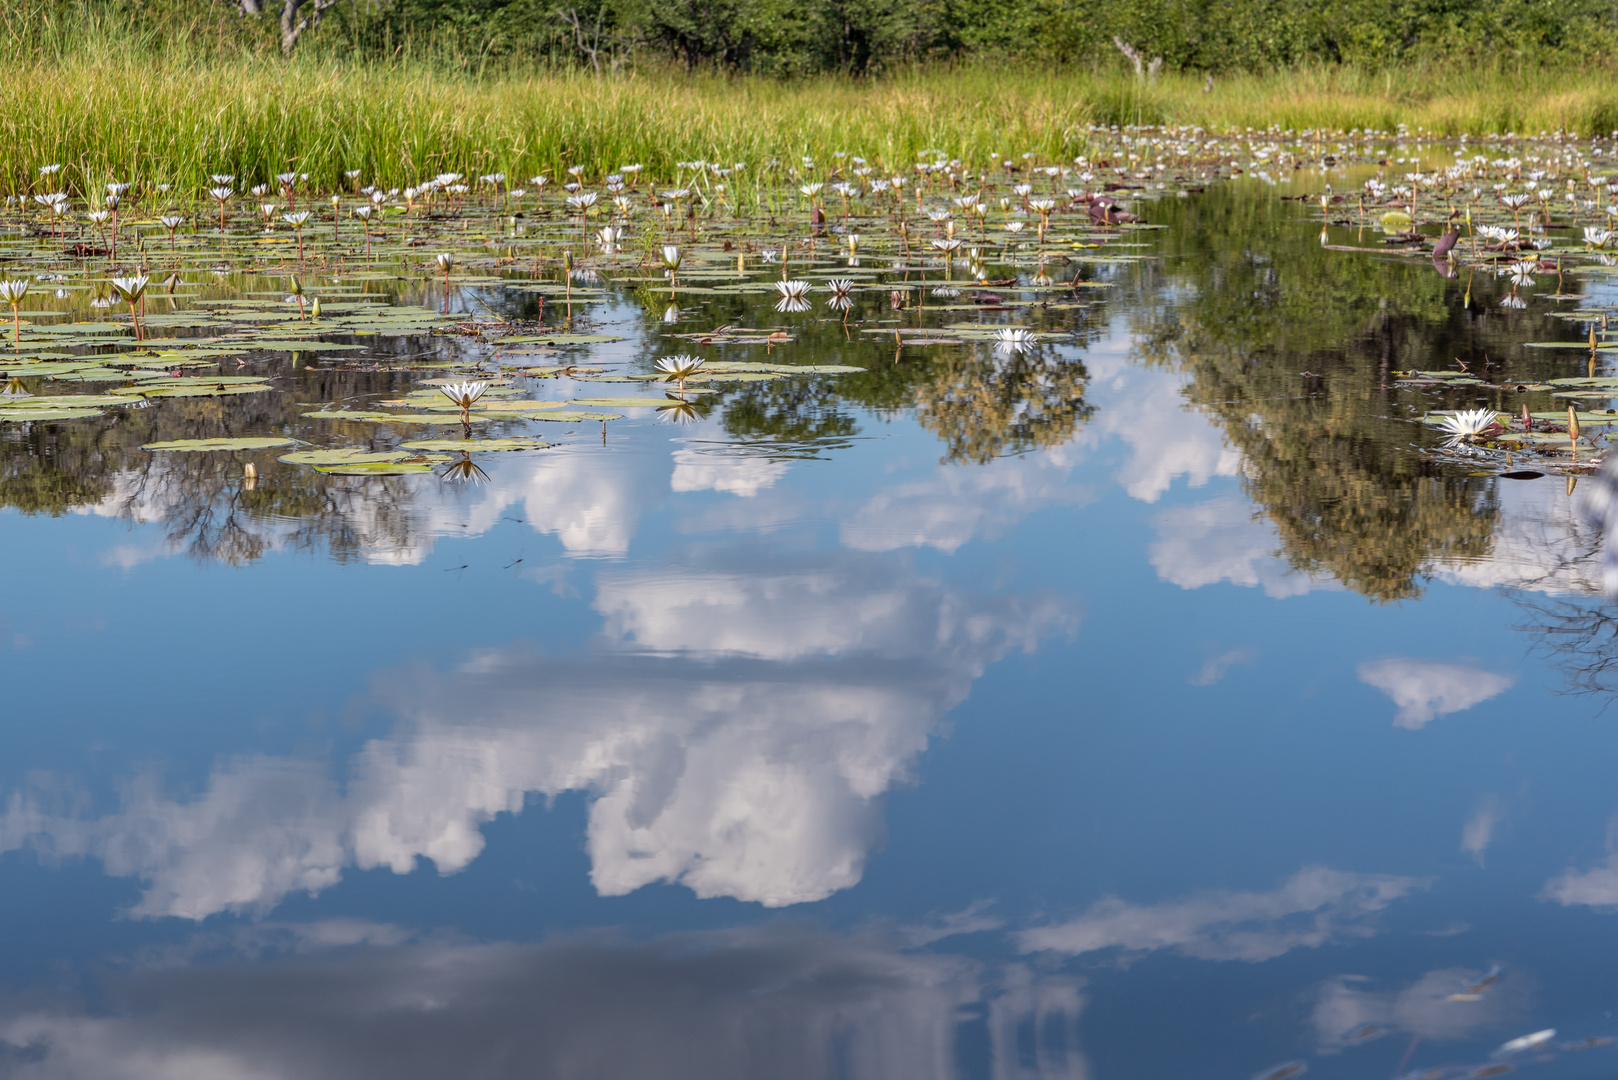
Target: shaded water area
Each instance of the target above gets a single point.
(1149, 699)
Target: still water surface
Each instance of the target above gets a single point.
(1143, 707)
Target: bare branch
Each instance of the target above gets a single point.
(292, 27)
(592, 49)
(1129, 51)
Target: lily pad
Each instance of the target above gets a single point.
(16, 416)
(353, 456)
(376, 468)
(572, 416)
(475, 444)
(261, 443)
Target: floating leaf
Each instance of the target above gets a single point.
(262, 443)
(354, 456)
(14, 416)
(572, 416)
(376, 468)
(475, 444)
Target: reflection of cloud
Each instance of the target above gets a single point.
(1223, 539)
(1315, 906)
(1424, 689)
(745, 476)
(1215, 667)
(1433, 1007)
(1167, 439)
(959, 503)
(1478, 831)
(787, 1001)
(591, 500)
(1540, 544)
(749, 759)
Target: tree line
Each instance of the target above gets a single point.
(788, 38)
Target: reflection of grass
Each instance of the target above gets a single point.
(136, 110)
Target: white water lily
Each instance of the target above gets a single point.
(12, 293)
(1596, 236)
(679, 367)
(445, 261)
(296, 220)
(131, 289)
(464, 394)
(793, 295)
(1468, 423)
(1013, 340)
(671, 257)
(1522, 273)
(609, 238)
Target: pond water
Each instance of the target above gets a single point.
(1157, 701)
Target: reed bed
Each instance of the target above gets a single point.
(175, 116)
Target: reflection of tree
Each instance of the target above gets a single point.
(984, 404)
(202, 499)
(1290, 348)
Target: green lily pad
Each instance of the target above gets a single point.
(397, 418)
(475, 444)
(572, 416)
(16, 416)
(261, 443)
(561, 339)
(354, 456)
(375, 468)
(208, 390)
(64, 401)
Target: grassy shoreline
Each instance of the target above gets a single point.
(176, 118)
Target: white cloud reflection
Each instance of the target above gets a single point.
(1425, 689)
(1314, 907)
(1441, 1005)
(736, 734)
(1224, 539)
(348, 1003)
(961, 503)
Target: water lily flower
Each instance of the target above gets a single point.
(12, 293)
(679, 367)
(221, 195)
(1013, 340)
(296, 220)
(1597, 237)
(1468, 423)
(132, 290)
(793, 295)
(446, 262)
(464, 394)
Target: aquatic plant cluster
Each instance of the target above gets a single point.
(330, 319)
(1541, 218)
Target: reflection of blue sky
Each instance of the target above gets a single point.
(861, 684)
(757, 773)
(350, 1000)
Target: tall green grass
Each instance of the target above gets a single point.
(175, 113)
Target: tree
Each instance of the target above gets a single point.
(296, 17)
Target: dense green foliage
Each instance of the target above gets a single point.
(781, 37)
